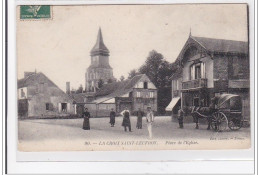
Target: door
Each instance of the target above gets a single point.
(196, 101)
(123, 105)
(80, 109)
(23, 108)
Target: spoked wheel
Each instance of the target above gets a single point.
(235, 124)
(213, 123)
(219, 122)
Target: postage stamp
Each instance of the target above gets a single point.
(35, 12)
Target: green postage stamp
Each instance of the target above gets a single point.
(35, 12)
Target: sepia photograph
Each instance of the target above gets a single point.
(133, 77)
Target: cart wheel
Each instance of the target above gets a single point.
(235, 124)
(219, 121)
(213, 123)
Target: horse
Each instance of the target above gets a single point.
(201, 113)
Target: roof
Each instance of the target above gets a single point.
(112, 88)
(79, 98)
(99, 47)
(118, 88)
(211, 45)
(32, 79)
(221, 45)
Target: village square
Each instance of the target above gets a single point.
(43, 105)
(203, 94)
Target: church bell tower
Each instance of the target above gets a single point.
(99, 70)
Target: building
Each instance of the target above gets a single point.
(206, 67)
(138, 92)
(99, 70)
(39, 97)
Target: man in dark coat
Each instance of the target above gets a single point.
(126, 120)
(112, 117)
(86, 116)
(180, 117)
(139, 115)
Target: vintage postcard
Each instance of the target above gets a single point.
(133, 77)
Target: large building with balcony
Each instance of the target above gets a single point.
(206, 67)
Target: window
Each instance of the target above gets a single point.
(64, 107)
(138, 94)
(145, 85)
(130, 94)
(151, 94)
(236, 67)
(22, 93)
(197, 71)
(47, 106)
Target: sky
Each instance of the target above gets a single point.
(60, 47)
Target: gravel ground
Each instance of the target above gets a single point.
(163, 128)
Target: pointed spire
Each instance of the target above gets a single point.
(190, 31)
(99, 37)
(99, 47)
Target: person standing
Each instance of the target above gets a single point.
(86, 116)
(126, 120)
(180, 117)
(149, 119)
(139, 122)
(112, 117)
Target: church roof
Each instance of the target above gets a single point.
(99, 47)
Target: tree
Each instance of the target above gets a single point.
(122, 78)
(80, 89)
(100, 83)
(133, 73)
(159, 70)
(110, 80)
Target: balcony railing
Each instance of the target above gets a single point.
(194, 84)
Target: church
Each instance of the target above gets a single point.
(99, 70)
(137, 92)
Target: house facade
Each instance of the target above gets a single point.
(39, 97)
(99, 69)
(207, 67)
(135, 93)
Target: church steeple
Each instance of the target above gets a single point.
(99, 48)
(99, 68)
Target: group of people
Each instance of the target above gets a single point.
(126, 119)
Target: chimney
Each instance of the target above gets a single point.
(67, 87)
(27, 74)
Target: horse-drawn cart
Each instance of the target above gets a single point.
(227, 113)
